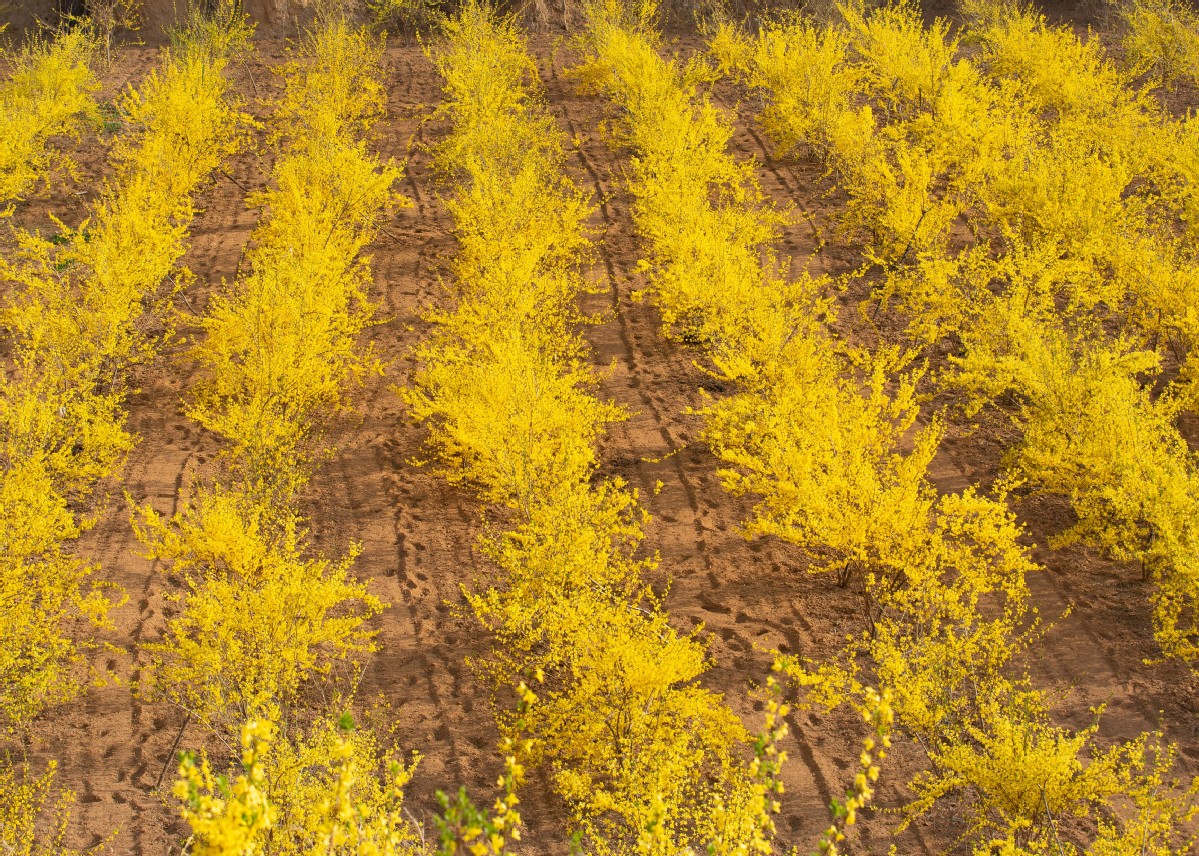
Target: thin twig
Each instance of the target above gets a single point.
(253, 82)
(1052, 823)
(388, 234)
(171, 754)
(418, 825)
(235, 181)
(183, 297)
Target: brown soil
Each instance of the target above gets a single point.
(418, 533)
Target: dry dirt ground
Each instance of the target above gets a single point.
(418, 533)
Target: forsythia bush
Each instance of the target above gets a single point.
(1095, 434)
(1162, 38)
(43, 590)
(280, 343)
(33, 820)
(332, 791)
(219, 660)
(49, 92)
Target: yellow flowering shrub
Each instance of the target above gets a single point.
(334, 90)
(337, 791)
(1161, 37)
(49, 92)
(1023, 777)
(280, 344)
(1079, 189)
(33, 819)
(786, 446)
(1049, 64)
(330, 791)
(903, 62)
(44, 590)
(1093, 432)
(485, 402)
(908, 178)
(218, 659)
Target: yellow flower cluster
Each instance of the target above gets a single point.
(329, 792)
(48, 92)
(226, 817)
(876, 710)
(641, 754)
(280, 347)
(1161, 37)
(365, 817)
(33, 821)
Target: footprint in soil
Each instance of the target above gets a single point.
(710, 605)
